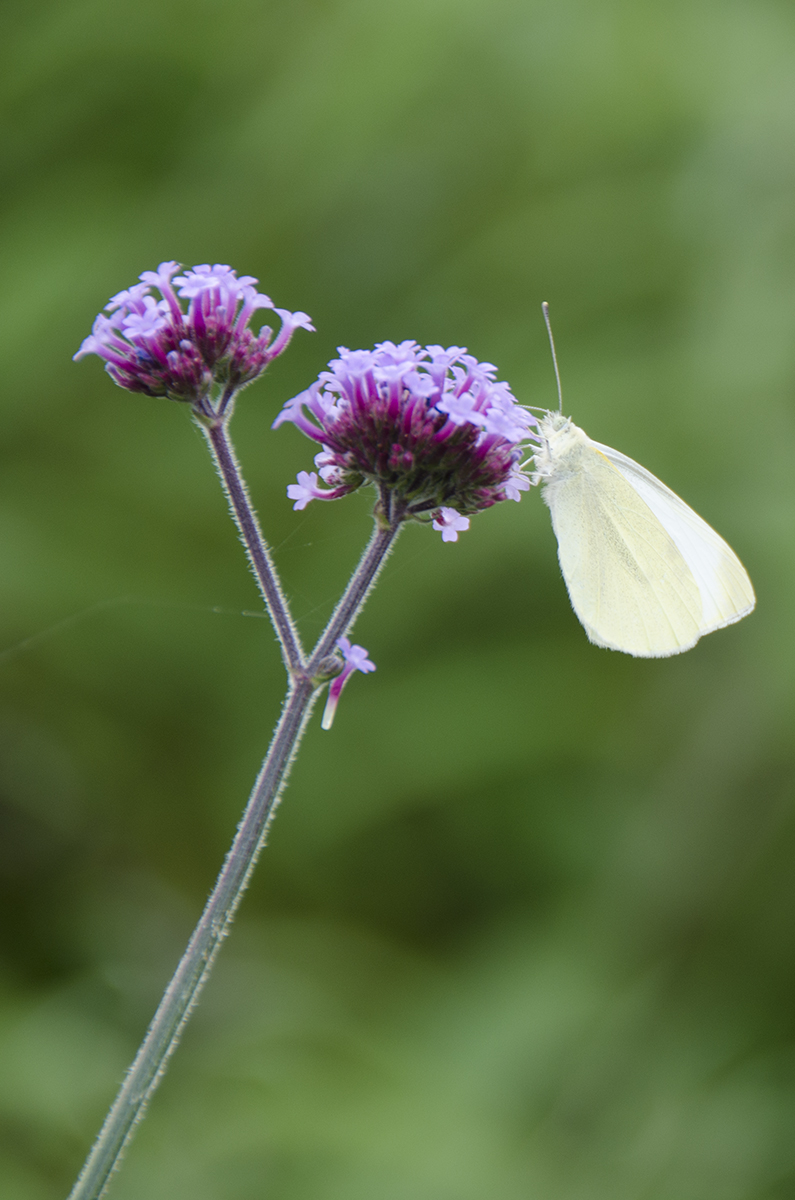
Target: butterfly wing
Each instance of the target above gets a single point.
(628, 581)
(723, 583)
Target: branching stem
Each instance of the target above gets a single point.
(194, 968)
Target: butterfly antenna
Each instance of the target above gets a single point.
(545, 311)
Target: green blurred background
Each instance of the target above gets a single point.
(526, 926)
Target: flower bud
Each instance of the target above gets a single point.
(328, 668)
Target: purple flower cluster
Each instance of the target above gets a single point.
(158, 347)
(431, 426)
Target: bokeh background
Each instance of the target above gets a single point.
(526, 925)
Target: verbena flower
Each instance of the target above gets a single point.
(201, 353)
(450, 523)
(355, 659)
(430, 427)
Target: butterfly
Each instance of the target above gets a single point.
(645, 574)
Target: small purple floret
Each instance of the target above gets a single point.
(355, 660)
(450, 523)
(430, 425)
(201, 352)
(306, 489)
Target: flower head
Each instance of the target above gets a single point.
(430, 427)
(201, 352)
(355, 659)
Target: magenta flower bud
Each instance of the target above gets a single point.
(201, 352)
(429, 425)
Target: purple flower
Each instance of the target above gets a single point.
(430, 427)
(355, 660)
(306, 489)
(202, 352)
(516, 483)
(450, 523)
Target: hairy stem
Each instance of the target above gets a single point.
(217, 435)
(196, 963)
(194, 968)
(360, 585)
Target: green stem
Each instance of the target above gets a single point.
(353, 598)
(196, 963)
(223, 453)
(194, 968)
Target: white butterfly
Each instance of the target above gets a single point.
(644, 573)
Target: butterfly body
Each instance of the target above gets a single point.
(645, 574)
